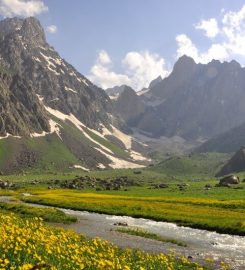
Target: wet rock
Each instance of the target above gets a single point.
(122, 224)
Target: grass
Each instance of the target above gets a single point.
(47, 214)
(53, 153)
(148, 235)
(222, 210)
(193, 166)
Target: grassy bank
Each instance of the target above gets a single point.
(47, 214)
(145, 234)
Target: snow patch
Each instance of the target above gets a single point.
(70, 89)
(101, 166)
(84, 81)
(126, 139)
(41, 98)
(54, 128)
(137, 156)
(55, 99)
(114, 97)
(52, 63)
(9, 135)
(117, 163)
(36, 59)
(80, 167)
(54, 71)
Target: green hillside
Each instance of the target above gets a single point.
(193, 165)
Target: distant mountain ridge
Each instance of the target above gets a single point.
(195, 102)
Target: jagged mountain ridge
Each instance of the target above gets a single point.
(60, 107)
(195, 102)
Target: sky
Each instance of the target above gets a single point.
(115, 42)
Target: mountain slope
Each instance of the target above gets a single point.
(235, 164)
(21, 112)
(45, 100)
(227, 142)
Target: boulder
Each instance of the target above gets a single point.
(229, 180)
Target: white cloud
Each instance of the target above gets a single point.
(52, 29)
(143, 67)
(210, 27)
(234, 31)
(139, 69)
(104, 58)
(231, 43)
(23, 8)
(186, 47)
(234, 19)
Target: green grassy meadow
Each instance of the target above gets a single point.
(219, 208)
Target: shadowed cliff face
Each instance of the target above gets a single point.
(20, 111)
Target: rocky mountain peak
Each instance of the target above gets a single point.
(29, 29)
(128, 92)
(184, 62)
(155, 82)
(32, 31)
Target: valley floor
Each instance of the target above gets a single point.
(184, 202)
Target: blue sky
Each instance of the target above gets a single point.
(133, 41)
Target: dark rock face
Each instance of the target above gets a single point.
(235, 164)
(25, 52)
(195, 101)
(229, 180)
(20, 111)
(129, 106)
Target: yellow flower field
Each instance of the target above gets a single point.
(30, 244)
